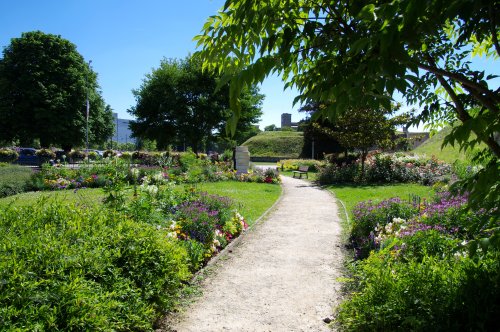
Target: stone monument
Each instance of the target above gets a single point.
(242, 159)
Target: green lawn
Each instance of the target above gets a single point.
(351, 195)
(449, 154)
(13, 179)
(252, 199)
(88, 197)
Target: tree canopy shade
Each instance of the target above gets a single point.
(178, 103)
(44, 83)
(353, 54)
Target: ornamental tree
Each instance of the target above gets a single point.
(44, 83)
(178, 103)
(357, 54)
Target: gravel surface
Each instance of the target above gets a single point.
(280, 275)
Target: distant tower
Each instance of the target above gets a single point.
(286, 120)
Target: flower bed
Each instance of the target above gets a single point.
(96, 175)
(387, 168)
(115, 268)
(415, 268)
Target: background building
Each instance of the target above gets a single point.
(286, 121)
(122, 133)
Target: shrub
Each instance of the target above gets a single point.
(92, 155)
(332, 173)
(77, 155)
(109, 153)
(450, 294)
(45, 155)
(187, 160)
(8, 155)
(386, 168)
(126, 156)
(294, 164)
(146, 158)
(75, 269)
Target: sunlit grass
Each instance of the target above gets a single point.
(252, 199)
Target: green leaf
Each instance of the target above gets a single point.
(367, 13)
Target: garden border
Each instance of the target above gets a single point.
(233, 243)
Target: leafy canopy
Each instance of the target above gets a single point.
(357, 54)
(44, 83)
(178, 103)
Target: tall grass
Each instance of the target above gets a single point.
(14, 179)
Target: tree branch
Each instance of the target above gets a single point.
(459, 78)
(493, 30)
(463, 115)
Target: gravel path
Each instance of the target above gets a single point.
(281, 275)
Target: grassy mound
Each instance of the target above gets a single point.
(432, 147)
(284, 144)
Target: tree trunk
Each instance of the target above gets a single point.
(364, 153)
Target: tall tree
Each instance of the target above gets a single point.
(317, 134)
(363, 129)
(44, 83)
(357, 54)
(178, 103)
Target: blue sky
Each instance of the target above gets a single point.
(127, 39)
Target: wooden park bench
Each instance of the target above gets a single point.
(300, 171)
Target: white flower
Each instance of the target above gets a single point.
(151, 189)
(158, 177)
(398, 220)
(145, 180)
(172, 235)
(135, 172)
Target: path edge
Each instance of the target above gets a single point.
(240, 238)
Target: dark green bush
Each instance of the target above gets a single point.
(146, 158)
(77, 155)
(45, 154)
(8, 155)
(109, 153)
(433, 294)
(65, 268)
